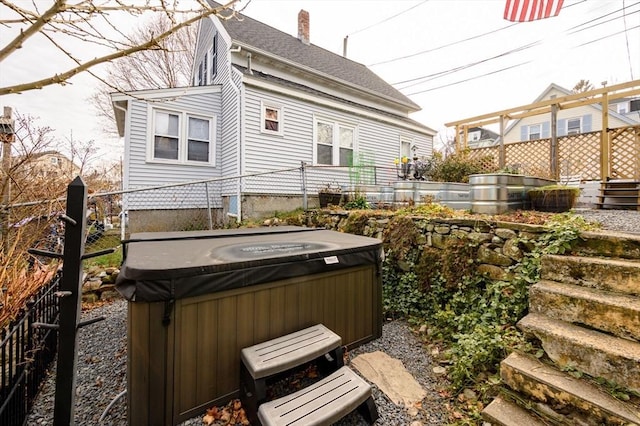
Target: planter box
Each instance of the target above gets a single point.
(327, 198)
(555, 201)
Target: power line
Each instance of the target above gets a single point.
(469, 79)
(441, 47)
(439, 74)
(458, 41)
(624, 14)
(603, 22)
(603, 16)
(388, 19)
(608, 36)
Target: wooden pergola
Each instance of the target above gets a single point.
(600, 96)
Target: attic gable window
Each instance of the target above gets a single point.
(181, 138)
(271, 119)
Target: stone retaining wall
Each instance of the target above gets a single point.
(500, 244)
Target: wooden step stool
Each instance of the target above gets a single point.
(265, 360)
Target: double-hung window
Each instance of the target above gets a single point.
(271, 119)
(180, 137)
(535, 131)
(574, 126)
(335, 143)
(405, 148)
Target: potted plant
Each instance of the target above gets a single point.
(553, 198)
(330, 194)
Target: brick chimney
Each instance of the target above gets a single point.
(303, 26)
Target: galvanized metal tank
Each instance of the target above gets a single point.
(403, 192)
(496, 193)
(455, 195)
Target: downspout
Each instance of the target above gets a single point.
(125, 176)
(240, 138)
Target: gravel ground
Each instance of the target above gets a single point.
(102, 361)
(102, 375)
(614, 220)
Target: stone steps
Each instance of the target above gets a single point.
(504, 413)
(608, 244)
(614, 313)
(619, 275)
(593, 352)
(585, 311)
(558, 390)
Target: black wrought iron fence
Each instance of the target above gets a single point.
(25, 354)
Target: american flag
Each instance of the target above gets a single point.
(530, 10)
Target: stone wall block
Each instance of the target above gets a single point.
(505, 234)
(512, 249)
(492, 257)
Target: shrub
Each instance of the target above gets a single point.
(456, 167)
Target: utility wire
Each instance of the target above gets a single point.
(388, 19)
(469, 79)
(608, 36)
(441, 47)
(604, 22)
(439, 74)
(624, 15)
(604, 16)
(457, 42)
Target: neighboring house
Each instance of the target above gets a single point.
(629, 107)
(263, 100)
(50, 165)
(478, 137)
(583, 119)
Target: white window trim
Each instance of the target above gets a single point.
(337, 124)
(409, 141)
(539, 132)
(263, 111)
(182, 137)
(579, 128)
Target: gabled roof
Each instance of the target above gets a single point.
(567, 92)
(248, 32)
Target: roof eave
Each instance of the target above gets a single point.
(410, 106)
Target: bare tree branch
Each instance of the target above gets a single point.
(58, 19)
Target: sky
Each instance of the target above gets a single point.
(454, 58)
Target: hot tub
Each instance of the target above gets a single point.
(197, 298)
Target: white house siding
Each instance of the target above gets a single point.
(148, 174)
(272, 152)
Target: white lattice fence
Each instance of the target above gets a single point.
(625, 153)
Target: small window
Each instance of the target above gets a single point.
(623, 108)
(634, 105)
(534, 131)
(573, 126)
(54, 160)
(205, 68)
(179, 137)
(405, 148)
(271, 119)
(214, 57)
